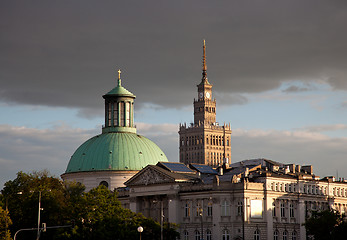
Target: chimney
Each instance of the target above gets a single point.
(246, 172)
(220, 171)
(298, 168)
(308, 169)
(292, 168)
(215, 180)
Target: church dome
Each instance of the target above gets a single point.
(115, 151)
(118, 148)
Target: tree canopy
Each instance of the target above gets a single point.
(326, 225)
(96, 214)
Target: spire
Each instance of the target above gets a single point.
(119, 80)
(204, 68)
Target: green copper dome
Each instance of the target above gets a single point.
(115, 151)
(118, 147)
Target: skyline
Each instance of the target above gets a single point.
(278, 70)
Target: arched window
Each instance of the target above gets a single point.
(197, 235)
(285, 235)
(293, 235)
(256, 235)
(186, 235)
(225, 235)
(275, 235)
(208, 234)
(103, 183)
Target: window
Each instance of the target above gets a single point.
(104, 183)
(122, 114)
(225, 235)
(239, 208)
(109, 114)
(115, 114)
(290, 188)
(209, 209)
(198, 209)
(186, 235)
(225, 208)
(274, 209)
(208, 234)
(186, 210)
(197, 235)
(256, 235)
(285, 235)
(276, 235)
(283, 210)
(293, 235)
(291, 210)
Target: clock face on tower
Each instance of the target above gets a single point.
(201, 95)
(207, 94)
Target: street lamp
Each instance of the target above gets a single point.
(202, 223)
(39, 218)
(140, 230)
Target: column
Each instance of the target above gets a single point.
(301, 218)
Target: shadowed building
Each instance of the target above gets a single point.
(114, 156)
(204, 141)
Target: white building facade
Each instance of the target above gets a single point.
(248, 202)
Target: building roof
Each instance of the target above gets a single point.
(119, 90)
(115, 151)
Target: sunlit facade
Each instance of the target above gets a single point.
(254, 199)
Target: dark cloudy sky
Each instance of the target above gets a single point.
(278, 68)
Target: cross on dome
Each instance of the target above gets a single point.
(119, 80)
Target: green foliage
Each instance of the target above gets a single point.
(328, 224)
(97, 214)
(5, 222)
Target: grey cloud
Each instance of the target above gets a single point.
(27, 149)
(325, 154)
(292, 89)
(324, 128)
(66, 53)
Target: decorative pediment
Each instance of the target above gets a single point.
(149, 175)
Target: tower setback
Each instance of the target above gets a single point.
(205, 141)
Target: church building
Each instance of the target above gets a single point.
(118, 153)
(204, 141)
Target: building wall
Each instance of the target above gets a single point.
(234, 205)
(114, 179)
(205, 144)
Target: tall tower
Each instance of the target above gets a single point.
(204, 141)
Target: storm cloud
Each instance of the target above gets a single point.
(66, 53)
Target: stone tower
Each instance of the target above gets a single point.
(204, 141)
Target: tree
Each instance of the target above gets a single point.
(5, 221)
(23, 207)
(328, 224)
(97, 214)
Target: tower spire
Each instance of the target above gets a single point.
(204, 68)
